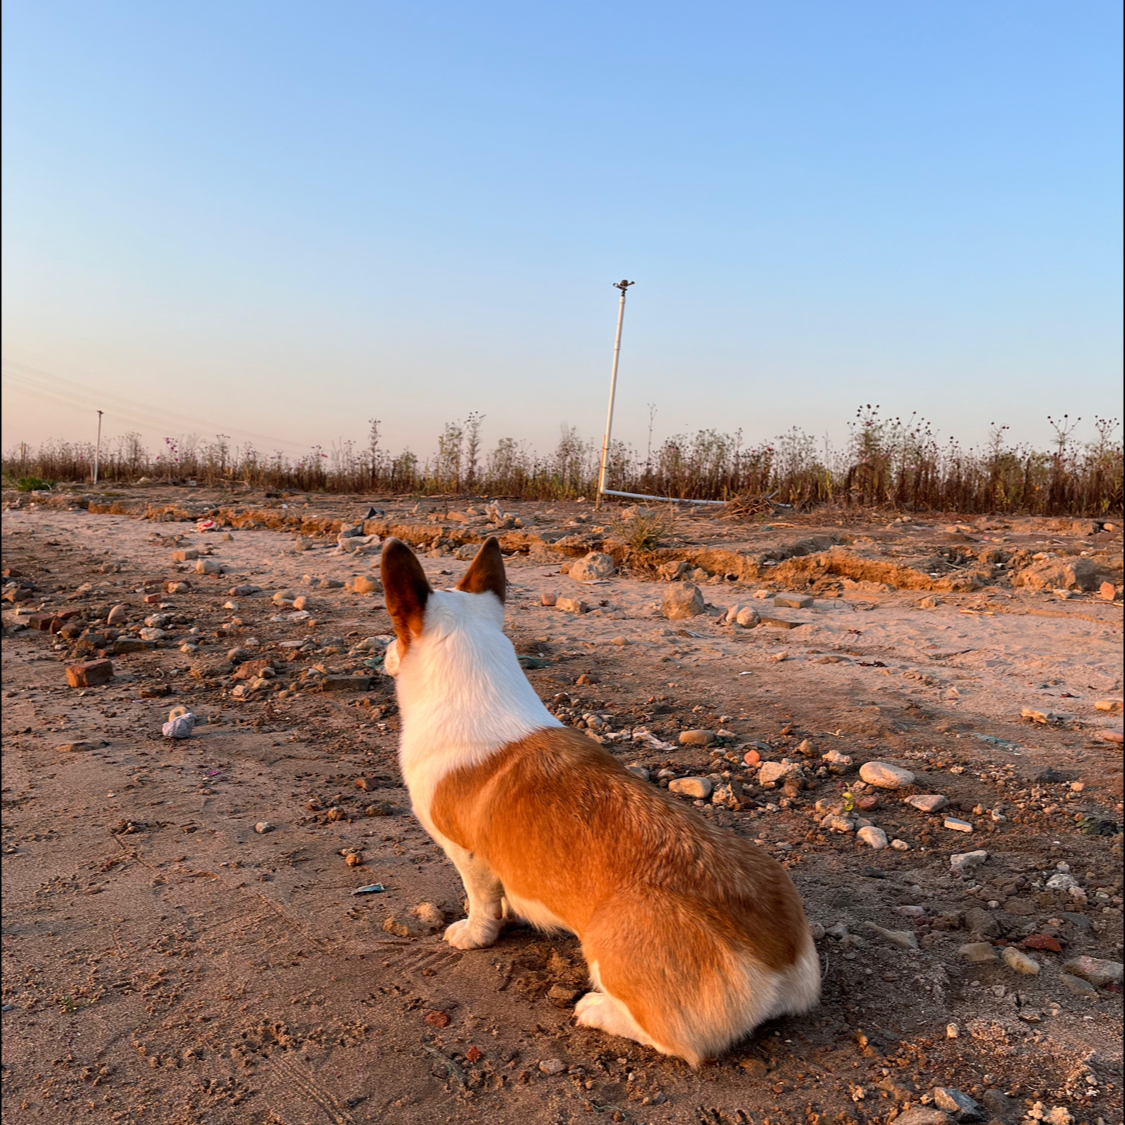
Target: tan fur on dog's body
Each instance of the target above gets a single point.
(693, 935)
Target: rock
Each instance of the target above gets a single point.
(1107, 591)
(833, 823)
(977, 952)
(1043, 942)
(955, 825)
(189, 554)
(118, 615)
(1073, 573)
(593, 567)
(638, 771)
(263, 826)
(981, 923)
(1020, 962)
(1114, 735)
(244, 590)
(923, 1115)
(1079, 987)
(682, 600)
(835, 760)
(431, 917)
(697, 787)
(364, 584)
(794, 601)
(773, 772)
(965, 861)
(79, 747)
(153, 634)
(727, 796)
(748, 617)
(900, 845)
(960, 1106)
(1050, 718)
(1061, 882)
(208, 566)
(1098, 972)
(548, 599)
(885, 776)
(697, 737)
(90, 673)
(929, 603)
(552, 1066)
(998, 1103)
(902, 938)
(345, 683)
(571, 605)
(928, 802)
(1111, 705)
(873, 837)
(179, 726)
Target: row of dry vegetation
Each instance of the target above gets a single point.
(885, 462)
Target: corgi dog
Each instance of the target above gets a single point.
(693, 936)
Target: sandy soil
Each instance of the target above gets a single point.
(165, 962)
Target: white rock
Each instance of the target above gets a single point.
(571, 605)
(900, 845)
(1061, 882)
(836, 760)
(928, 802)
(208, 566)
(838, 823)
(1014, 959)
(873, 837)
(697, 787)
(883, 775)
(152, 634)
(682, 599)
(592, 568)
(955, 825)
(748, 617)
(777, 771)
(965, 861)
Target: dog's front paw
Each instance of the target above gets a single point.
(472, 933)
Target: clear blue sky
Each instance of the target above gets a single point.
(280, 219)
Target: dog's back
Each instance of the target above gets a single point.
(693, 935)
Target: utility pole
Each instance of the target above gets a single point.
(98, 448)
(622, 285)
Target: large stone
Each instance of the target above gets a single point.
(873, 837)
(1097, 971)
(118, 615)
(960, 1106)
(923, 1115)
(1020, 962)
(773, 772)
(594, 567)
(977, 953)
(928, 802)
(1073, 573)
(748, 617)
(697, 737)
(208, 566)
(981, 923)
(189, 554)
(697, 787)
(883, 775)
(793, 601)
(966, 861)
(682, 600)
(89, 674)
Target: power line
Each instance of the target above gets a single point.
(36, 382)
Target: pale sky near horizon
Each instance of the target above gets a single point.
(277, 220)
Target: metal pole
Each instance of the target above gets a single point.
(622, 285)
(98, 448)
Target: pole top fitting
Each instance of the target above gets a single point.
(623, 285)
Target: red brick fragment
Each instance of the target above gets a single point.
(1042, 941)
(472, 1054)
(438, 1019)
(90, 673)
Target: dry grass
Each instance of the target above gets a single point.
(885, 463)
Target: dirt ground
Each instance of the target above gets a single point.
(164, 962)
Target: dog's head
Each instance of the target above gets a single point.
(422, 615)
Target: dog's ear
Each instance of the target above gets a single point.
(486, 572)
(406, 589)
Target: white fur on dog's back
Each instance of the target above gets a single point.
(461, 692)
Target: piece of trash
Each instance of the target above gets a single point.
(179, 726)
(746, 673)
(375, 514)
(207, 525)
(373, 888)
(999, 743)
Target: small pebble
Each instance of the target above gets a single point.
(263, 826)
(552, 1066)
